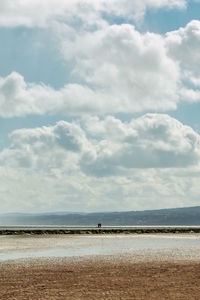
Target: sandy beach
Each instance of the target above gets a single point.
(99, 279)
(158, 274)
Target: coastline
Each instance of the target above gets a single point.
(148, 274)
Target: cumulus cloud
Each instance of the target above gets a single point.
(105, 147)
(131, 67)
(46, 148)
(25, 13)
(102, 161)
(121, 70)
(18, 98)
(115, 69)
(140, 71)
(183, 46)
(150, 162)
(151, 141)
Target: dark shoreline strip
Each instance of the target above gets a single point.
(174, 230)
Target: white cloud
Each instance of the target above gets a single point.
(137, 9)
(151, 141)
(130, 67)
(18, 98)
(183, 46)
(46, 148)
(190, 95)
(193, 79)
(152, 162)
(121, 71)
(115, 69)
(27, 191)
(140, 71)
(33, 13)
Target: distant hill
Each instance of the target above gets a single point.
(175, 216)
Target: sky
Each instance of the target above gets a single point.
(99, 105)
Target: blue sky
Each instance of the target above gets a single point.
(99, 105)
(164, 20)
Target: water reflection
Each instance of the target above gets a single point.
(90, 245)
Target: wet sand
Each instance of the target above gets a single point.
(158, 274)
(100, 279)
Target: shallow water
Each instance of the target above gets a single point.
(12, 248)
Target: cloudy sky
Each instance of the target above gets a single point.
(99, 105)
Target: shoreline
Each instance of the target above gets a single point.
(150, 274)
(152, 246)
